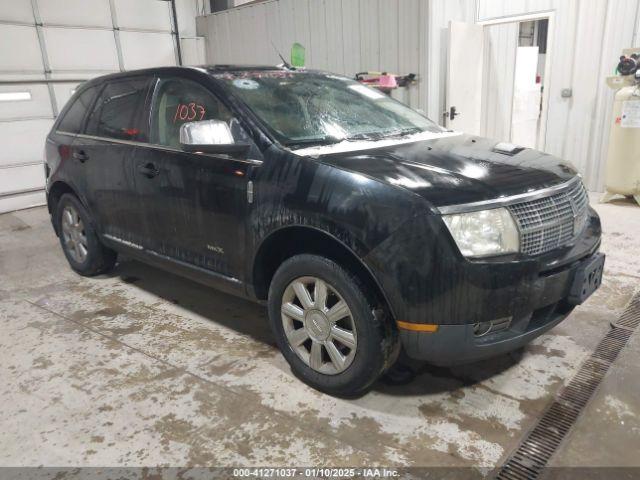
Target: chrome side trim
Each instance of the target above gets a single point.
(211, 273)
(152, 253)
(154, 146)
(504, 201)
(123, 242)
(64, 134)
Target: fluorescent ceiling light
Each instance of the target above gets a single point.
(14, 96)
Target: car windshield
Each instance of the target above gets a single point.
(304, 109)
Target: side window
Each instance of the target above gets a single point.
(179, 101)
(118, 113)
(72, 120)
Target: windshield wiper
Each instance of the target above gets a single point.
(365, 136)
(370, 136)
(403, 133)
(314, 141)
(381, 135)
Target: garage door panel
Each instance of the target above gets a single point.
(20, 11)
(80, 49)
(21, 178)
(22, 141)
(76, 75)
(80, 44)
(63, 92)
(20, 51)
(87, 13)
(142, 50)
(14, 103)
(21, 77)
(18, 202)
(143, 14)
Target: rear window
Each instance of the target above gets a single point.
(72, 120)
(118, 113)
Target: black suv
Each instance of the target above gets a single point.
(363, 226)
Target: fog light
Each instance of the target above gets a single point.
(484, 328)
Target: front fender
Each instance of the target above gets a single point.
(359, 211)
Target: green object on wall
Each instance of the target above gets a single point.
(297, 55)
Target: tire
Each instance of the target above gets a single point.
(366, 339)
(78, 236)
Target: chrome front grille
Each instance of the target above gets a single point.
(551, 222)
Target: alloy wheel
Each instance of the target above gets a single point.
(319, 325)
(73, 234)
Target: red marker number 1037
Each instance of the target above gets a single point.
(187, 112)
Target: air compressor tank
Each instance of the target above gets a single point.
(623, 158)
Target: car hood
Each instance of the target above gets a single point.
(455, 169)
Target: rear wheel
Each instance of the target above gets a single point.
(330, 327)
(80, 244)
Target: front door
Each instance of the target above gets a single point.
(195, 204)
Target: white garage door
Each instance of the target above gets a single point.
(47, 48)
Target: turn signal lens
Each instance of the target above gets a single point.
(417, 327)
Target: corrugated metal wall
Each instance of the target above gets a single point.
(347, 36)
(588, 37)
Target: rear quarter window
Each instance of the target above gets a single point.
(72, 120)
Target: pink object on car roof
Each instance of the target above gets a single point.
(387, 81)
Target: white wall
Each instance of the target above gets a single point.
(72, 40)
(410, 36)
(345, 36)
(636, 33)
(586, 42)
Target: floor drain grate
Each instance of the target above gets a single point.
(535, 451)
(631, 317)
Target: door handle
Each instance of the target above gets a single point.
(453, 113)
(81, 156)
(149, 170)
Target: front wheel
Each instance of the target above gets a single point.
(330, 327)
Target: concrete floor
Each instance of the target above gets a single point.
(142, 368)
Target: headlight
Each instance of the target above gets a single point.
(484, 233)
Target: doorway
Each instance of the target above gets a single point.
(528, 81)
(516, 73)
(497, 78)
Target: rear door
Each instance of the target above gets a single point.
(104, 151)
(195, 204)
(62, 140)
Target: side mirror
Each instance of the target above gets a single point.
(210, 136)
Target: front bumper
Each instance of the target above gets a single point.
(425, 279)
(554, 298)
